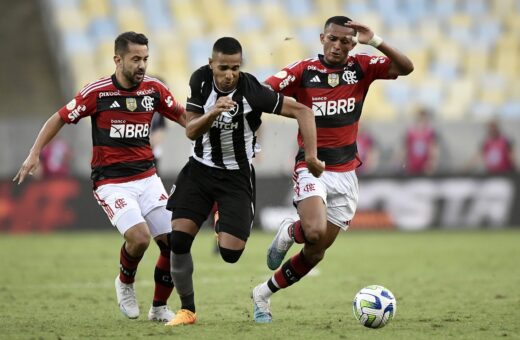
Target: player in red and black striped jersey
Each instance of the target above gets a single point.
(334, 85)
(123, 171)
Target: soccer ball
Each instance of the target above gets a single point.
(374, 306)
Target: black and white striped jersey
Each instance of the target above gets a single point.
(229, 143)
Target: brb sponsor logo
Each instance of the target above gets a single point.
(333, 107)
(121, 129)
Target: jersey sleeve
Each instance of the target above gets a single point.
(168, 106)
(287, 80)
(79, 107)
(195, 103)
(375, 67)
(261, 97)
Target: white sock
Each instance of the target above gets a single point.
(265, 291)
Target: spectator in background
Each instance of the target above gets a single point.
(368, 151)
(55, 159)
(421, 147)
(496, 153)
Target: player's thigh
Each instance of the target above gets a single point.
(236, 204)
(342, 199)
(191, 198)
(119, 202)
(310, 197)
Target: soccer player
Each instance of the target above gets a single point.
(334, 85)
(421, 146)
(124, 176)
(223, 111)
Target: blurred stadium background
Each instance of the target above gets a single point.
(467, 67)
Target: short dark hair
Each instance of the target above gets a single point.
(122, 41)
(227, 45)
(337, 20)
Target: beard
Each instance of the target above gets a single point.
(135, 78)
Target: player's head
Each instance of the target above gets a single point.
(337, 40)
(225, 63)
(131, 57)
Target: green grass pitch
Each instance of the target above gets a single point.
(448, 285)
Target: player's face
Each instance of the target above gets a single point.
(134, 63)
(337, 43)
(226, 70)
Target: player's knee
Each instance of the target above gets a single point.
(313, 235)
(138, 241)
(230, 255)
(180, 242)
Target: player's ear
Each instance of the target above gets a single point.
(322, 38)
(210, 60)
(117, 59)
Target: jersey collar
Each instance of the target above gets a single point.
(120, 87)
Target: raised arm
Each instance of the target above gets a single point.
(46, 134)
(307, 126)
(401, 65)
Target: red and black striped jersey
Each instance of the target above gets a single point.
(121, 120)
(336, 95)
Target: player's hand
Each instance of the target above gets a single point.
(223, 104)
(28, 167)
(364, 33)
(315, 166)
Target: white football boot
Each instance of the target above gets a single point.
(126, 299)
(160, 313)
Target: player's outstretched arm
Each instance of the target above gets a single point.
(47, 133)
(307, 126)
(401, 65)
(197, 124)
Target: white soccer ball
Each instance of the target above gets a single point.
(374, 306)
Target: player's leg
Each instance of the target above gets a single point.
(152, 202)
(342, 197)
(119, 203)
(236, 203)
(310, 197)
(190, 204)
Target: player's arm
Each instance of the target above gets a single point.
(198, 124)
(46, 134)
(307, 126)
(401, 65)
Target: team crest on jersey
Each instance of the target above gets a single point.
(333, 79)
(131, 104)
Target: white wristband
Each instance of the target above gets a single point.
(375, 41)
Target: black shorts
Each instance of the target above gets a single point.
(199, 186)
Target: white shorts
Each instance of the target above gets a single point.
(339, 191)
(127, 204)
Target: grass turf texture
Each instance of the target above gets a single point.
(460, 285)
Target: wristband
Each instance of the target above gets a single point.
(375, 41)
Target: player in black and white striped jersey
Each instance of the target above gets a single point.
(223, 112)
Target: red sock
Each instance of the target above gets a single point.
(292, 271)
(163, 279)
(296, 232)
(127, 266)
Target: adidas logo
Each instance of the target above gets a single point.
(316, 79)
(114, 104)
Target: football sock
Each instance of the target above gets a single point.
(291, 272)
(128, 266)
(163, 279)
(296, 232)
(181, 266)
(182, 270)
